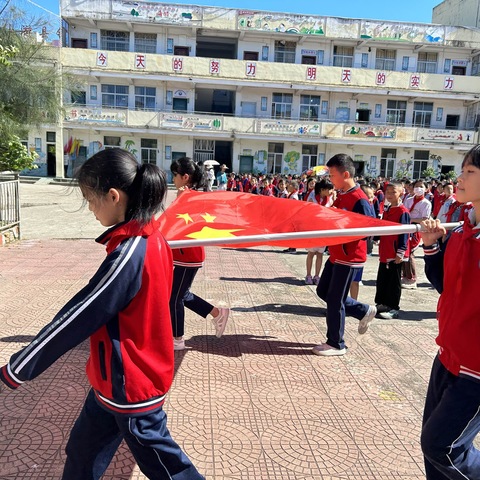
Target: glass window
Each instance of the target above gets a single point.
(309, 156)
(79, 98)
(115, 96)
(148, 150)
(285, 51)
(114, 40)
(342, 56)
(146, 43)
(385, 59)
(282, 105)
(145, 98)
(111, 142)
(396, 112)
(387, 162)
(275, 157)
(476, 65)
(405, 62)
(427, 62)
(422, 114)
(309, 107)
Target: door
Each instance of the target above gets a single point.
(180, 104)
(249, 109)
(362, 116)
(246, 163)
(51, 161)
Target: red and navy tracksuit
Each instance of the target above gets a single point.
(389, 276)
(187, 262)
(339, 270)
(452, 408)
(124, 311)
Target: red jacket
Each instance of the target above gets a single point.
(352, 253)
(393, 245)
(124, 310)
(455, 273)
(192, 257)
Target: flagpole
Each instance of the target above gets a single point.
(347, 232)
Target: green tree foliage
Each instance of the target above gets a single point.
(15, 156)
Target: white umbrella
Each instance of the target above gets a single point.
(210, 163)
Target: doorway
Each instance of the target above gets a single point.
(362, 116)
(51, 160)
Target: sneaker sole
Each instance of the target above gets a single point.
(331, 352)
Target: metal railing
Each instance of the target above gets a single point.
(9, 203)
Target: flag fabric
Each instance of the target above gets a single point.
(210, 215)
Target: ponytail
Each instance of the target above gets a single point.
(196, 174)
(145, 185)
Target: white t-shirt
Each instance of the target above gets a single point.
(422, 209)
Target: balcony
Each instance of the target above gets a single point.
(217, 126)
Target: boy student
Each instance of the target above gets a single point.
(451, 419)
(392, 250)
(343, 263)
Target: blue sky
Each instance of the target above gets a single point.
(406, 10)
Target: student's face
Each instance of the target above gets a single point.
(180, 180)
(393, 194)
(468, 188)
(311, 184)
(448, 190)
(337, 178)
(108, 209)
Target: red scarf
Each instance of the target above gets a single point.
(416, 200)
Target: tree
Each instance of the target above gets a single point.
(15, 156)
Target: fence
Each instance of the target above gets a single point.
(9, 208)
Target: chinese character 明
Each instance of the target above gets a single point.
(311, 73)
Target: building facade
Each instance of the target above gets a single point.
(263, 92)
(457, 12)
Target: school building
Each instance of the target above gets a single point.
(263, 92)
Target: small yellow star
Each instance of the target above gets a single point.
(207, 232)
(186, 217)
(208, 218)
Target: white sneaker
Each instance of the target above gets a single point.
(220, 321)
(178, 344)
(326, 350)
(367, 319)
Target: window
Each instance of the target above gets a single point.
(427, 62)
(275, 157)
(285, 51)
(385, 59)
(282, 105)
(405, 62)
(476, 65)
(181, 51)
(452, 122)
(111, 142)
(115, 96)
(145, 43)
(420, 162)
(422, 114)
(145, 98)
(342, 56)
(114, 40)
(180, 104)
(250, 56)
(387, 162)
(148, 150)
(309, 156)
(309, 107)
(396, 112)
(79, 98)
(51, 137)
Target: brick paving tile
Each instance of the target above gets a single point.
(254, 404)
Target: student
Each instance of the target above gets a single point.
(420, 209)
(124, 311)
(451, 419)
(310, 191)
(343, 262)
(281, 189)
(222, 178)
(448, 200)
(321, 195)
(187, 175)
(392, 250)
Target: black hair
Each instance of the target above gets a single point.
(323, 184)
(343, 163)
(394, 184)
(472, 157)
(185, 165)
(145, 185)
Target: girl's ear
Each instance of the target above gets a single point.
(115, 196)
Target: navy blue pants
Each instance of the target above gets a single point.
(98, 433)
(182, 297)
(333, 289)
(451, 421)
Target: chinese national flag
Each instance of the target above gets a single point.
(198, 215)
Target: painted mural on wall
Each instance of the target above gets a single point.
(287, 126)
(191, 122)
(290, 162)
(157, 12)
(280, 22)
(402, 32)
(370, 131)
(440, 135)
(95, 115)
(260, 162)
(342, 27)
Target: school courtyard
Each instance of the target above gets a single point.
(255, 404)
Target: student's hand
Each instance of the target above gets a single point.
(398, 259)
(432, 230)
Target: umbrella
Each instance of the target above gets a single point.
(210, 163)
(320, 170)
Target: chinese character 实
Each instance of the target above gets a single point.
(346, 75)
(140, 61)
(214, 66)
(414, 81)
(311, 73)
(251, 69)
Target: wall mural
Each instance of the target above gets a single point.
(290, 161)
(157, 12)
(280, 22)
(402, 32)
(260, 162)
(370, 131)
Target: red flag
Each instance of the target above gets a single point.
(198, 215)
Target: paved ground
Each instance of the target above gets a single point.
(255, 404)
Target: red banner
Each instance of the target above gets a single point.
(198, 215)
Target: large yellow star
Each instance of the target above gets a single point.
(185, 216)
(208, 218)
(207, 232)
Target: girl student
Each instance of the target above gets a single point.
(187, 175)
(451, 418)
(124, 311)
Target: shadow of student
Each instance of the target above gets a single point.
(284, 280)
(300, 310)
(17, 339)
(416, 315)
